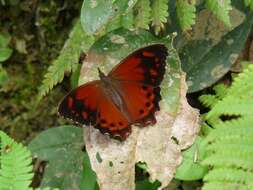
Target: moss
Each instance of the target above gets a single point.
(38, 30)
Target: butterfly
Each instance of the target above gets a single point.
(128, 95)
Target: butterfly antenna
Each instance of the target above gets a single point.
(101, 74)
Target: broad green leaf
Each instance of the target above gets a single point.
(207, 58)
(249, 3)
(3, 75)
(146, 185)
(4, 40)
(75, 76)
(61, 147)
(89, 179)
(190, 169)
(5, 53)
(96, 14)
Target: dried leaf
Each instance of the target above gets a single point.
(114, 161)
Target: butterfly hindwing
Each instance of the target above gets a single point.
(111, 120)
(81, 104)
(141, 100)
(89, 105)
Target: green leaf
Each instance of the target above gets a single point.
(249, 3)
(47, 188)
(4, 40)
(206, 61)
(191, 169)
(3, 76)
(5, 53)
(89, 179)
(96, 14)
(186, 13)
(228, 146)
(16, 164)
(75, 76)
(68, 59)
(146, 185)
(127, 20)
(61, 147)
(220, 9)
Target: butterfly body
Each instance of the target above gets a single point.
(110, 88)
(129, 94)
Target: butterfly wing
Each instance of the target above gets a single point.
(146, 65)
(88, 105)
(138, 78)
(81, 104)
(141, 100)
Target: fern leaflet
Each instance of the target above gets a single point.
(142, 12)
(220, 9)
(186, 13)
(67, 61)
(208, 100)
(159, 14)
(16, 165)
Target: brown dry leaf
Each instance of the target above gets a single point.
(159, 146)
(153, 145)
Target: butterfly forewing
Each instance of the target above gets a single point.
(146, 65)
(138, 78)
(88, 105)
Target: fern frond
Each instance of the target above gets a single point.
(186, 13)
(231, 175)
(211, 100)
(208, 100)
(232, 106)
(226, 161)
(68, 59)
(227, 150)
(249, 3)
(243, 83)
(142, 11)
(239, 97)
(220, 9)
(222, 185)
(229, 146)
(229, 129)
(16, 165)
(233, 139)
(220, 90)
(159, 14)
